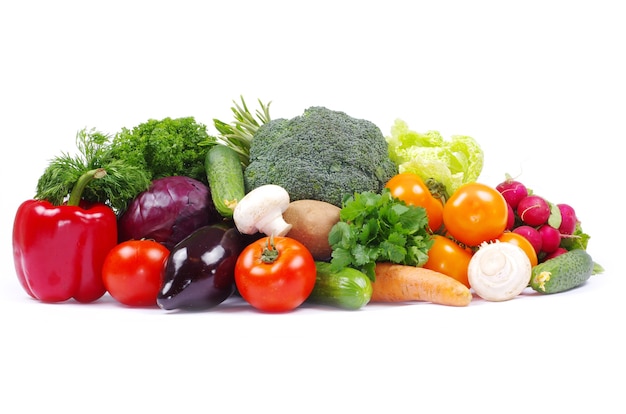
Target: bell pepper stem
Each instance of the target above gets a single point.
(77, 192)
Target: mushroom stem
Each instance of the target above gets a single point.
(274, 225)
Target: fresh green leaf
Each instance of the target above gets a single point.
(392, 252)
(376, 227)
(369, 231)
(341, 258)
(121, 183)
(164, 147)
(578, 240)
(238, 134)
(361, 254)
(449, 162)
(555, 217)
(597, 269)
(340, 235)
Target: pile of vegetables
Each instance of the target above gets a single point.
(321, 209)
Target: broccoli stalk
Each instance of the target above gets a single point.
(321, 155)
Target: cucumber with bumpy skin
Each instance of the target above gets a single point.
(564, 272)
(225, 177)
(347, 289)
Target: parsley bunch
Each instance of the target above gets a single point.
(375, 228)
(164, 147)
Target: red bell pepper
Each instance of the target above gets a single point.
(59, 251)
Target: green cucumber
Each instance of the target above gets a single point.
(563, 272)
(347, 289)
(225, 176)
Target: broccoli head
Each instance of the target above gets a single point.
(321, 155)
(164, 147)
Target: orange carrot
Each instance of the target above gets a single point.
(403, 283)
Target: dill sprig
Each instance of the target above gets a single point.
(121, 183)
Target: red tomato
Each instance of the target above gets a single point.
(447, 257)
(475, 213)
(132, 271)
(275, 274)
(411, 189)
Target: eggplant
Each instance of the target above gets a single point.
(170, 210)
(199, 272)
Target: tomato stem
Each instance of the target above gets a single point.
(270, 254)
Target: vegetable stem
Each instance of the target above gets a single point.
(270, 254)
(79, 187)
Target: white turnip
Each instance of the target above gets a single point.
(533, 210)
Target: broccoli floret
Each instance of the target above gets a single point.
(321, 155)
(164, 147)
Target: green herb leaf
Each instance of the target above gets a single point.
(377, 227)
(121, 183)
(578, 240)
(164, 147)
(555, 217)
(238, 135)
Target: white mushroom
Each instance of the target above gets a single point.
(499, 271)
(261, 210)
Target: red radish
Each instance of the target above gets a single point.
(533, 210)
(532, 235)
(559, 251)
(510, 218)
(568, 219)
(550, 238)
(512, 191)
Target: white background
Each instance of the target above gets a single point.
(540, 85)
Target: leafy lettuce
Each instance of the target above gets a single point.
(449, 162)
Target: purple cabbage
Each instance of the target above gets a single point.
(167, 212)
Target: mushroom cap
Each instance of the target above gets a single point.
(261, 210)
(499, 271)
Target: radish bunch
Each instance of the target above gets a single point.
(550, 228)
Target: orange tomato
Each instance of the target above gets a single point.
(520, 241)
(447, 257)
(475, 213)
(411, 189)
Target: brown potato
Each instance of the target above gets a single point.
(311, 222)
